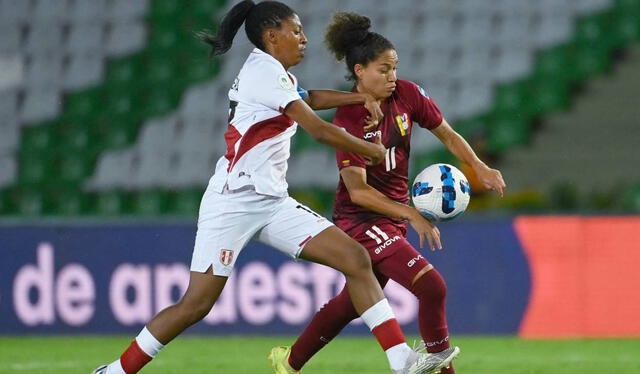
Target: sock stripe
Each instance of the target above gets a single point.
(389, 334)
(134, 358)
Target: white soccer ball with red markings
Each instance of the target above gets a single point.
(440, 192)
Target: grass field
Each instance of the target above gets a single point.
(239, 355)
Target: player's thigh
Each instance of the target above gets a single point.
(404, 265)
(225, 225)
(299, 232)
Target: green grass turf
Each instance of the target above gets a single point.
(194, 354)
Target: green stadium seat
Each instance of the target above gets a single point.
(626, 29)
(117, 134)
(83, 105)
(166, 9)
(185, 203)
(35, 167)
(159, 72)
(39, 138)
(512, 97)
(302, 140)
(67, 201)
(555, 63)
(6, 208)
(149, 203)
(73, 167)
(160, 101)
(591, 60)
(506, 133)
(548, 96)
(124, 75)
(471, 128)
(111, 203)
(441, 155)
(164, 37)
(628, 8)
(28, 202)
(631, 201)
(594, 30)
(194, 70)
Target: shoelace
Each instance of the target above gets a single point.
(419, 346)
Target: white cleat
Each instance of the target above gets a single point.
(100, 370)
(428, 363)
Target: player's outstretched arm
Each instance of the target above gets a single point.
(361, 193)
(326, 133)
(491, 178)
(327, 99)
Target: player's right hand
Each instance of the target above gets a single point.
(426, 229)
(375, 113)
(378, 152)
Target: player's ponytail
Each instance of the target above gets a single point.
(348, 37)
(222, 41)
(256, 18)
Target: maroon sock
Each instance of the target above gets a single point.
(134, 358)
(431, 291)
(325, 325)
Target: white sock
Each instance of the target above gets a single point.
(375, 316)
(148, 343)
(378, 314)
(115, 368)
(398, 355)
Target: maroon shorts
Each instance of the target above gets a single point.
(392, 255)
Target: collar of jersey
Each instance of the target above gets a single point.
(263, 54)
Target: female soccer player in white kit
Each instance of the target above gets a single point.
(247, 195)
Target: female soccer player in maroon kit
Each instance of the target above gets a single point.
(371, 201)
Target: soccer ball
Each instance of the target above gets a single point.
(440, 192)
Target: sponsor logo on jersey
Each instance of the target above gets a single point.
(285, 82)
(403, 123)
(372, 134)
(414, 260)
(384, 245)
(226, 257)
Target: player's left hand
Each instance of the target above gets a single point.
(491, 179)
(375, 112)
(425, 229)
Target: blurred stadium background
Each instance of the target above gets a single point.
(112, 118)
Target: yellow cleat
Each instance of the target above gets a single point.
(279, 357)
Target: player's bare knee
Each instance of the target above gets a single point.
(192, 312)
(360, 261)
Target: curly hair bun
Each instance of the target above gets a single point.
(346, 30)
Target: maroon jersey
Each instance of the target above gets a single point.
(409, 103)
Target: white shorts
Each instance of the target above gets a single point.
(228, 220)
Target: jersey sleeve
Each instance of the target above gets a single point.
(272, 87)
(425, 111)
(354, 125)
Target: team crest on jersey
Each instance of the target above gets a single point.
(285, 82)
(226, 257)
(403, 123)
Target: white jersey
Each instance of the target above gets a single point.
(259, 134)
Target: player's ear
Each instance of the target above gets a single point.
(270, 36)
(359, 70)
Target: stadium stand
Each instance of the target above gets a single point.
(111, 107)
